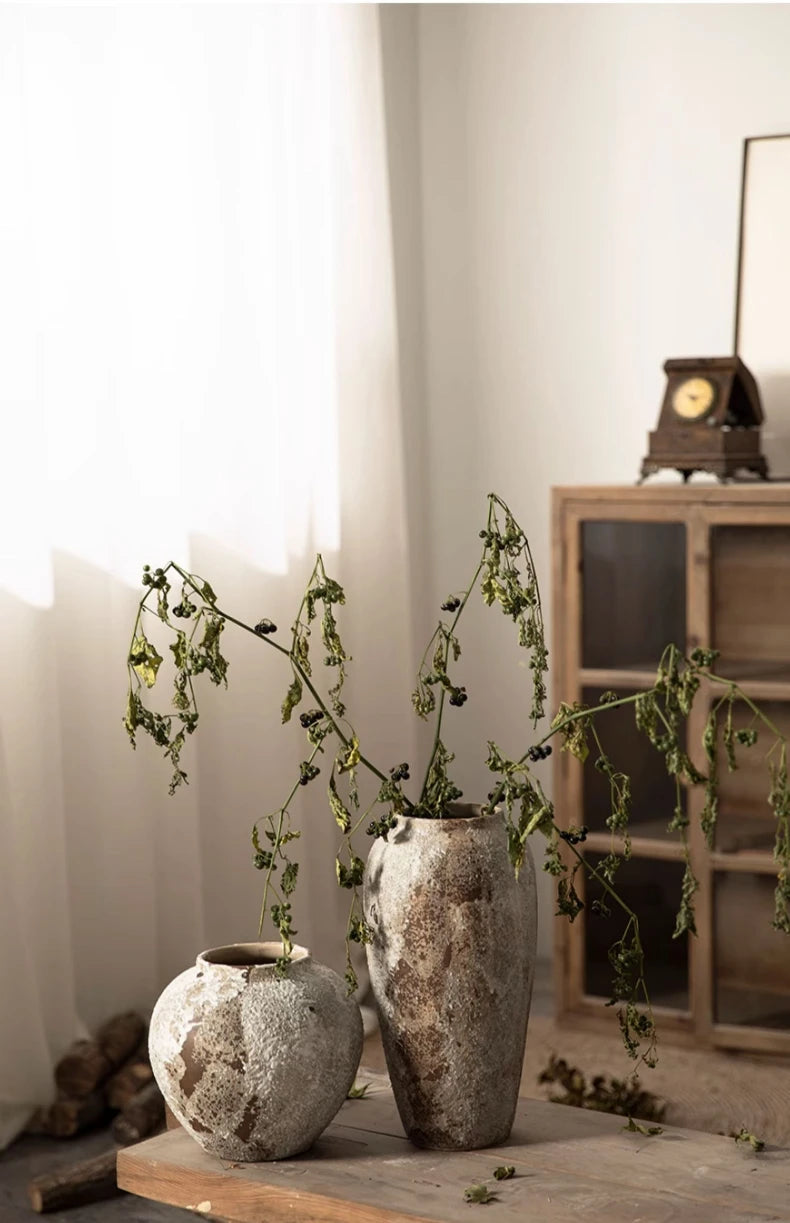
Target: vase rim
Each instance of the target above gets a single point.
(475, 816)
(244, 956)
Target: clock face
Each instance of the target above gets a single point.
(694, 398)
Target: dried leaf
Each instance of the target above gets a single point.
(480, 1194)
(358, 1091)
(649, 1131)
(144, 660)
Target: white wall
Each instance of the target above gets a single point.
(579, 177)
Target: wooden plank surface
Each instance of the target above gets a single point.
(571, 1165)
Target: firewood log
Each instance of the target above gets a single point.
(89, 1062)
(120, 1036)
(70, 1115)
(127, 1081)
(82, 1068)
(38, 1122)
(144, 1113)
(92, 1180)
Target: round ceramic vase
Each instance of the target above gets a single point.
(451, 965)
(253, 1065)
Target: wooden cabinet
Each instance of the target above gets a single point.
(635, 569)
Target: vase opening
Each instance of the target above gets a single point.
(250, 955)
(462, 811)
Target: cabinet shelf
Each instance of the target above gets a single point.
(665, 1005)
(752, 862)
(636, 569)
(630, 679)
(755, 670)
(745, 833)
(648, 840)
(760, 680)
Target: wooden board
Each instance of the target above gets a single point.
(570, 1164)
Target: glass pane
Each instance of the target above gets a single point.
(745, 820)
(630, 751)
(752, 960)
(750, 599)
(633, 592)
(651, 888)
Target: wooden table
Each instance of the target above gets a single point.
(571, 1165)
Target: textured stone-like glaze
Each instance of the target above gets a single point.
(451, 966)
(255, 1066)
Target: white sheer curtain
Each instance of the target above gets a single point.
(199, 361)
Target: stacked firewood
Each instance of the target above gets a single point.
(104, 1080)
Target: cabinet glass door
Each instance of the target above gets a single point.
(752, 960)
(750, 598)
(633, 592)
(653, 791)
(746, 823)
(651, 887)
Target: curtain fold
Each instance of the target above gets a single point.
(198, 296)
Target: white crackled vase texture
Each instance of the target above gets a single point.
(253, 1065)
(451, 964)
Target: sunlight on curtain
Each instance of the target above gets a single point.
(166, 302)
(200, 362)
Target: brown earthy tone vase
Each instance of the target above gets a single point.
(253, 1065)
(451, 966)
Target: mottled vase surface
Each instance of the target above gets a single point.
(451, 965)
(253, 1065)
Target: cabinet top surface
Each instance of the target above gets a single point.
(674, 494)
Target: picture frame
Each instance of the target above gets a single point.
(762, 312)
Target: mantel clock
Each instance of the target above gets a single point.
(709, 421)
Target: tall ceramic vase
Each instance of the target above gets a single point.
(252, 1064)
(451, 966)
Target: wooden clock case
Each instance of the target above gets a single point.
(723, 441)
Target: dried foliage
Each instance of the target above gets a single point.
(744, 1138)
(505, 577)
(625, 1097)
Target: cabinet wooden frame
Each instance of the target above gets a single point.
(701, 509)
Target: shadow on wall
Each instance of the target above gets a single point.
(775, 395)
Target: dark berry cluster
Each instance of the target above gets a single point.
(574, 836)
(703, 657)
(157, 578)
(452, 604)
(539, 753)
(307, 772)
(264, 627)
(262, 860)
(358, 930)
(310, 718)
(400, 772)
(184, 609)
(458, 696)
(380, 828)
(281, 916)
